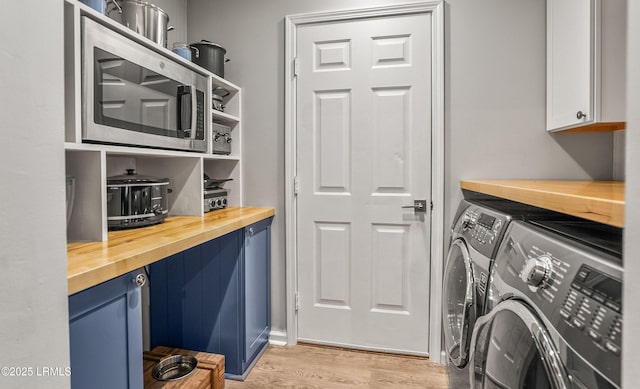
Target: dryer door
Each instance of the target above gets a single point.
(512, 349)
(459, 303)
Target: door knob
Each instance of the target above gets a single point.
(418, 206)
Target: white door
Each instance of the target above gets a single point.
(363, 152)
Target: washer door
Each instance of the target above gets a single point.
(459, 302)
(512, 349)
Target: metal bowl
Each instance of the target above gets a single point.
(174, 367)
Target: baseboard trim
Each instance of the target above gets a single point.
(348, 346)
(242, 377)
(278, 338)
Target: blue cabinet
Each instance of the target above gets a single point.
(215, 297)
(105, 330)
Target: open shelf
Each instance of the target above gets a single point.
(224, 118)
(92, 163)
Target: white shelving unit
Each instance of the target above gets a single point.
(92, 163)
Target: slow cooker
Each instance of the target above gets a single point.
(135, 200)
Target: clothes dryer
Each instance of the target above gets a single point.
(475, 236)
(553, 314)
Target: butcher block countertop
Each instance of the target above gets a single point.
(600, 201)
(91, 263)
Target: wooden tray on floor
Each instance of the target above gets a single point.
(209, 373)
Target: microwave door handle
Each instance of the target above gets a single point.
(194, 112)
(184, 109)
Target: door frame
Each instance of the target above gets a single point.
(437, 228)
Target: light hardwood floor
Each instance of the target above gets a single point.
(308, 366)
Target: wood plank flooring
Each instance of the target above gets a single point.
(309, 367)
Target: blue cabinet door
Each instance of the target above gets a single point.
(257, 288)
(105, 329)
(166, 287)
(215, 297)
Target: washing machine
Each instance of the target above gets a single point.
(476, 234)
(553, 315)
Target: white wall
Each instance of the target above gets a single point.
(495, 99)
(631, 293)
(33, 266)
(177, 11)
(495, 105)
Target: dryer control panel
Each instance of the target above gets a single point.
(482, 228)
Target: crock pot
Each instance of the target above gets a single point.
(135, 200)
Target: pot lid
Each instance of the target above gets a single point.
(209, 43)
(180, 45)
(220, 92)
(134, 178)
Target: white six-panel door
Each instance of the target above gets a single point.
(363, 133)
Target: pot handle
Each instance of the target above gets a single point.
(226, 60)
(196, 50)
(117, 6)
(170, 28)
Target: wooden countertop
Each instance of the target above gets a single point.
(91, 263)
(600, 201)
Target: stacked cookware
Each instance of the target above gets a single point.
(152, 22)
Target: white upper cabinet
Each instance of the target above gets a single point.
(586, 65)
(570, 58)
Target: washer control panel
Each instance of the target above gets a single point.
(578, 289)
(593, 306)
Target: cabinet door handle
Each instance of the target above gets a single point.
(250, 231)
(140, 280)
(581, 115)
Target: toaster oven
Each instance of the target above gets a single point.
(214, 199)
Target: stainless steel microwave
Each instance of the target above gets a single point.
(132, 95)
